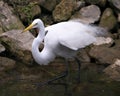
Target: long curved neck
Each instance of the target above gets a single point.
(36, 42)
(41, 31)
(45, 56)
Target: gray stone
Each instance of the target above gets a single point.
(1, 30)
(2, 48)
(115, 3)
(89, 14)
(104, 54)
(103, 40)
(83, 56)
(79, 5)
(8, 20)
(113, 71)
(18, 44)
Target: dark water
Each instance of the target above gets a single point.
(84, 89)
(24, 81)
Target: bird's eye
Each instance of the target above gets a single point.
(36, 23)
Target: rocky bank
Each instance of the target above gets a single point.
(16, 47)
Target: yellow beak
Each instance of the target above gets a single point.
(28, 28)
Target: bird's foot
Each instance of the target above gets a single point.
(51, 81)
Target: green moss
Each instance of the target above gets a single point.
(108, 19)
(13, 26)
(22, 8)
(26, 11)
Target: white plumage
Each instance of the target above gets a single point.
(63, 39)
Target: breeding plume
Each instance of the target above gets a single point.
(62, 39)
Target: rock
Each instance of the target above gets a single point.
(117, 44)
(25, 9)
(108, 19)
(115, 3)
(103, 40)
(18, 45)
(27, 12)
(79, 5)
(8, 20)
(48, 4)
(104, 55)
(2, 48)
(16, 2)
(83, 56)
(64, 10)
(1, 30)
(36, 10)
(113, 71)
(119, 17)
(6, 64)
(89, 14)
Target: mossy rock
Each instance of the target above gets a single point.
(8, 20)
(18, 45)
(108, 19)
(64, 10)
(28, 12)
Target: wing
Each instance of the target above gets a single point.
(73, 35)
(76, 40)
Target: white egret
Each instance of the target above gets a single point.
(62, 39)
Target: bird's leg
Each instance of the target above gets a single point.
(65, 84)
(79, 65)
(51, 81)
(64, 74)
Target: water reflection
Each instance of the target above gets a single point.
(27, 81)
(60, 88)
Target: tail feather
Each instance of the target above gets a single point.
(102, 32)
(99, 31)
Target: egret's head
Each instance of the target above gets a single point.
(35, 24)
